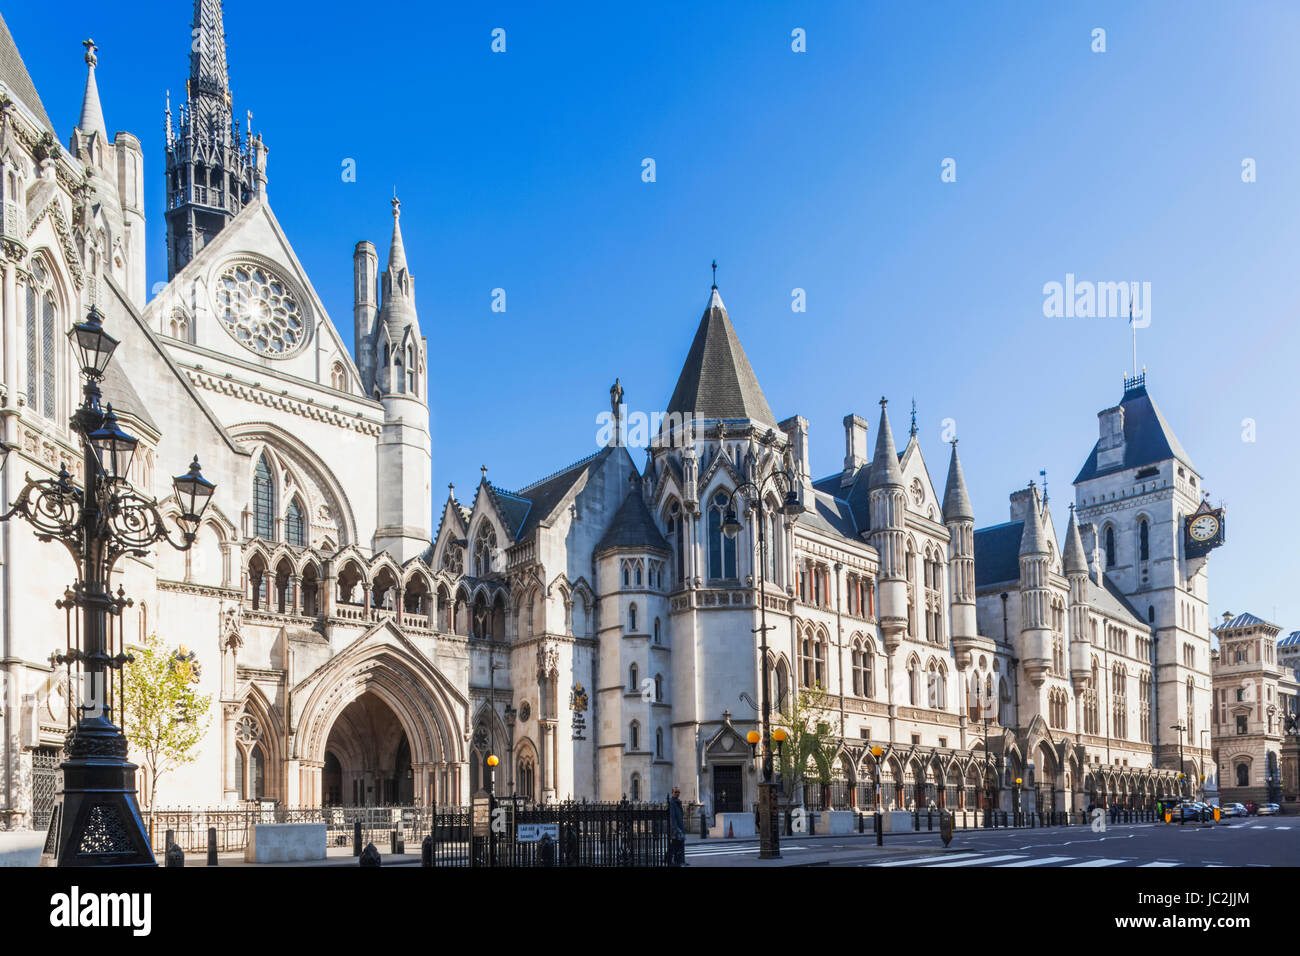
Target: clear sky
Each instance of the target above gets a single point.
(818, 170)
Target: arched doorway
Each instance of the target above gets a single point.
(373, 755)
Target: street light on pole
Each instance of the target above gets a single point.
(96, 818)
(769, 841)
(1180, 728)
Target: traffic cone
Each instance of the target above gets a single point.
(730, 831)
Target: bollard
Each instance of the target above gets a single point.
(175, 856)
(704, 825)
(356, 837)
(929, 820)
(862, 825)
(169, 839)
(212, 846)
(426, 851)
(370, 856)
(812, 824)
(880, 830)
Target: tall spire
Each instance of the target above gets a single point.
(884, 466)
(397, 251)
(92, 114)
(956, 503)
(213, 170)
(209, 81)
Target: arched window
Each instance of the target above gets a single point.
(634, 735)
(263, 501)
(295, 528)
(659, 743)
(636, 787)
(1243, 775)
(913, 684)
(631, 617)
(633, 683)
(677, 539)
(42, 321)
(659, 687)
(410, 370)
(656, 630)
(484, 547)
(1144, 540)
(1110, 547)
(722, 550)
(524, 778)
(338, 378)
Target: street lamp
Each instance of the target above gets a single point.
(769, 840)
(96, 818)
(1180, 728)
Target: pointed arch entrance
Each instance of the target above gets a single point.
(380, 724)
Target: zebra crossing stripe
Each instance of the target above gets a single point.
(1043, 861)
(921, 861)
(1097, 863)
(1159, 863)
(984, 861)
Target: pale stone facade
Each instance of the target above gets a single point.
(1254, 694)
(595, 629)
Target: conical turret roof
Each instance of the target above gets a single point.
(92, 113)
(1076, 561)
(717, 381)
(884, 466)
(1034, 539)
(956, 502)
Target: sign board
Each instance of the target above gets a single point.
(534, 832)
(481, 815)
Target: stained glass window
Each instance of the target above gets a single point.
(263, 501)
(295, 528)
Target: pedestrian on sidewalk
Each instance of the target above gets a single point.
(677, 826)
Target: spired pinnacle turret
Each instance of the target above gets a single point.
(956, 502)
(213, 169)
(885, 471)
(92, 114)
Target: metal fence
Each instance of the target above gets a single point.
(589, 834)
(189, 825)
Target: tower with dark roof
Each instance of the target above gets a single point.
(888, 524)
(214, 168)
(1035, 594)
(1132, 499)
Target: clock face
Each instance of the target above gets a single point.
(1204, 528)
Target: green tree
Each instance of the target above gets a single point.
(813, 734)
(162, 715)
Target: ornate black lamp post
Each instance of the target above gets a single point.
(1180, 728)
(96, 819)
(769, 839)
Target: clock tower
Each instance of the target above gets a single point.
(1147, 532)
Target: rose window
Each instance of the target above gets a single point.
(260, 309)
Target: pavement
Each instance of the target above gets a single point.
(1251, 841)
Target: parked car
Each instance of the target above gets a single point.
(1269, 810)
(1234, 810)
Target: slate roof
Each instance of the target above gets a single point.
(632, 527)
(1245, 620)
(543, 496)
(14, 75)
(997, 553)
(1111, 600)
(956, 502)
(118, 390)
(1147, 438)
(831, 514)
(717, 381)
(1291, 640)
(856, 495)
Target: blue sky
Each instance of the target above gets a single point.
(816, 170)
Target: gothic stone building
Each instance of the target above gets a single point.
(595, 629)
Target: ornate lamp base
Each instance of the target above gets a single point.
(96, 819)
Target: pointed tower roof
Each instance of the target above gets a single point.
(1076, 562)
(1033, 540)
(208, 71)
(14, 76)
(92, 114)
(884, 466)
(396, 250)
(717, 381)
(1148, 439)
(956, 503)
(632, 527)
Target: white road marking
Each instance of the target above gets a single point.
(1045, 861)
(1160, 863)
(919, 861)
(1097, 863)
(980, 862)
